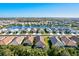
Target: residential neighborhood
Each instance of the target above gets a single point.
(39, 36)
(35, 31)
(43, 26)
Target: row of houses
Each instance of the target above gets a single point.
(39, 41)
(38, 21)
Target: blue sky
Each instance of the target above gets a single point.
(39, 10)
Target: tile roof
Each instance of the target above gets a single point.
(72, 43)
(1, 42)
(19, 39)
(39, 38)
(75, 38)
(2, 37)
(8, 39)
(67, 41)
(30, 38)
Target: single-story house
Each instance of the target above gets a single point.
(56, 41)
(39, 41)
(28, 40)
(17, 41)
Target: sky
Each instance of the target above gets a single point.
(39, 9)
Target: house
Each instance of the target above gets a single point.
(73, 32)
(56, 41)
(75, 38)
(48, 30)
(67, 41)
(8, 39)
(2, 42)
(33, 30)
(17, 41)
(40, 30)
(39, 41)
(2, 37)
(28, 40)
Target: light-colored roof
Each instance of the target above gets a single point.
(67, 41)
(19, 39)
(30, 38)
(75, 38)
(8, 39)
(2, 37)
(1, 42)
(71, 43)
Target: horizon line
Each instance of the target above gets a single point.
(40, 17)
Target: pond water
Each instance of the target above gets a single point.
(25, 27)
(42, 26)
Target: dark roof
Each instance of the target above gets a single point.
(37, 38)
(53, 40)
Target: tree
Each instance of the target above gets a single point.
(6, 52)
(58, 51)
(38, 52)
(53, 51)
(64, 52)
(72, 51)
(78, 44)
(50, 43)
(20, 50)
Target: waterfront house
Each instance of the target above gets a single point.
(48, 30)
